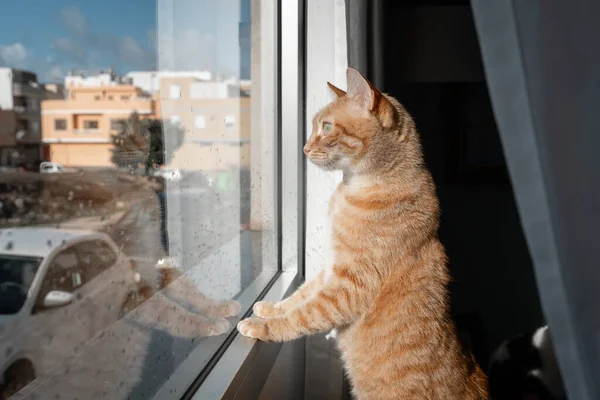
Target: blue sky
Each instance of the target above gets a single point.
(50, 37)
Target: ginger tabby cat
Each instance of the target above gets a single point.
(386, 290)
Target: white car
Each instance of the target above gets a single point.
(48, 167)
(58, 289)
(172, 175)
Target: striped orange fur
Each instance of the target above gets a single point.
(386, 291)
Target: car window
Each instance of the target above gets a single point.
(95, 257)
(63, 273)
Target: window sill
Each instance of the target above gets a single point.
(238, 352)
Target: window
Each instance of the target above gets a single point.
(60, 124)
(63, 274)
(94, 258)
(90, 124)
(116, 124)
(33, 104)
(229, 121)
(35, 127)
(156, 239)
(174, 91)
(199, 122)
(110, 97)
(96, 97)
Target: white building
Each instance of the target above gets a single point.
(103, 78)
(149, 81)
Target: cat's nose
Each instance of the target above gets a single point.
(306, 149)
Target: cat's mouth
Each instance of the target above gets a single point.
(323, 161)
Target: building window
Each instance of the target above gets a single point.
(72, 95)
(35, 127)
(96, 97)
(110, 97)
(116, 124)
(90, 124)
(33, 104)
(126, 97)
(199, 122)
(60, 124)
(229, 121)
(174, 91)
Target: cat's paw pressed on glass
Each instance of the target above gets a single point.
(266, 309)
(254, 328)
(215, 327)
(224, 309)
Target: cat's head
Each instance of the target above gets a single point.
(355, 128)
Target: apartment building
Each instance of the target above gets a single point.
(20, 118)
(76, 131)
(215, 117)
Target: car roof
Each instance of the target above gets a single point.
(40, 241)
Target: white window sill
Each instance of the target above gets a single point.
(231, 360)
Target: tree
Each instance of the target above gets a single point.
(139, 142)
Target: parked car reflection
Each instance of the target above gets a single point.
(62, 289)
(57, 289)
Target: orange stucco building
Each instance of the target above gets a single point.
(76, 130)
(214, 118)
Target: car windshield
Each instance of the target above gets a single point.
(16, 277)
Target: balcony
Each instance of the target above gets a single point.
(143, 106)
(25, 89)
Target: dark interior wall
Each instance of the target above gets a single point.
(432, 64)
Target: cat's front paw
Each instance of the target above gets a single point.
(266, 309)
(215, 327)
(254, 328)
(224, 309)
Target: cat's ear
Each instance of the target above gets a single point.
(360, 88)
(336, 90)
(370, 98)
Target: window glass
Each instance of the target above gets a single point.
(200, 122)
(60, 124)
(115, 124)
(90, 124)
(174, 91)
(63, 273)
(16, 277)
(152, 220)
(229, 121)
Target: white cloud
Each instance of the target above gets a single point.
(13, 55)
(74, 20)
(68, 48)
(56, 73)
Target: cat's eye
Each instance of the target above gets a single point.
(327, 127)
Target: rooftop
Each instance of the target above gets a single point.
(38, 241)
